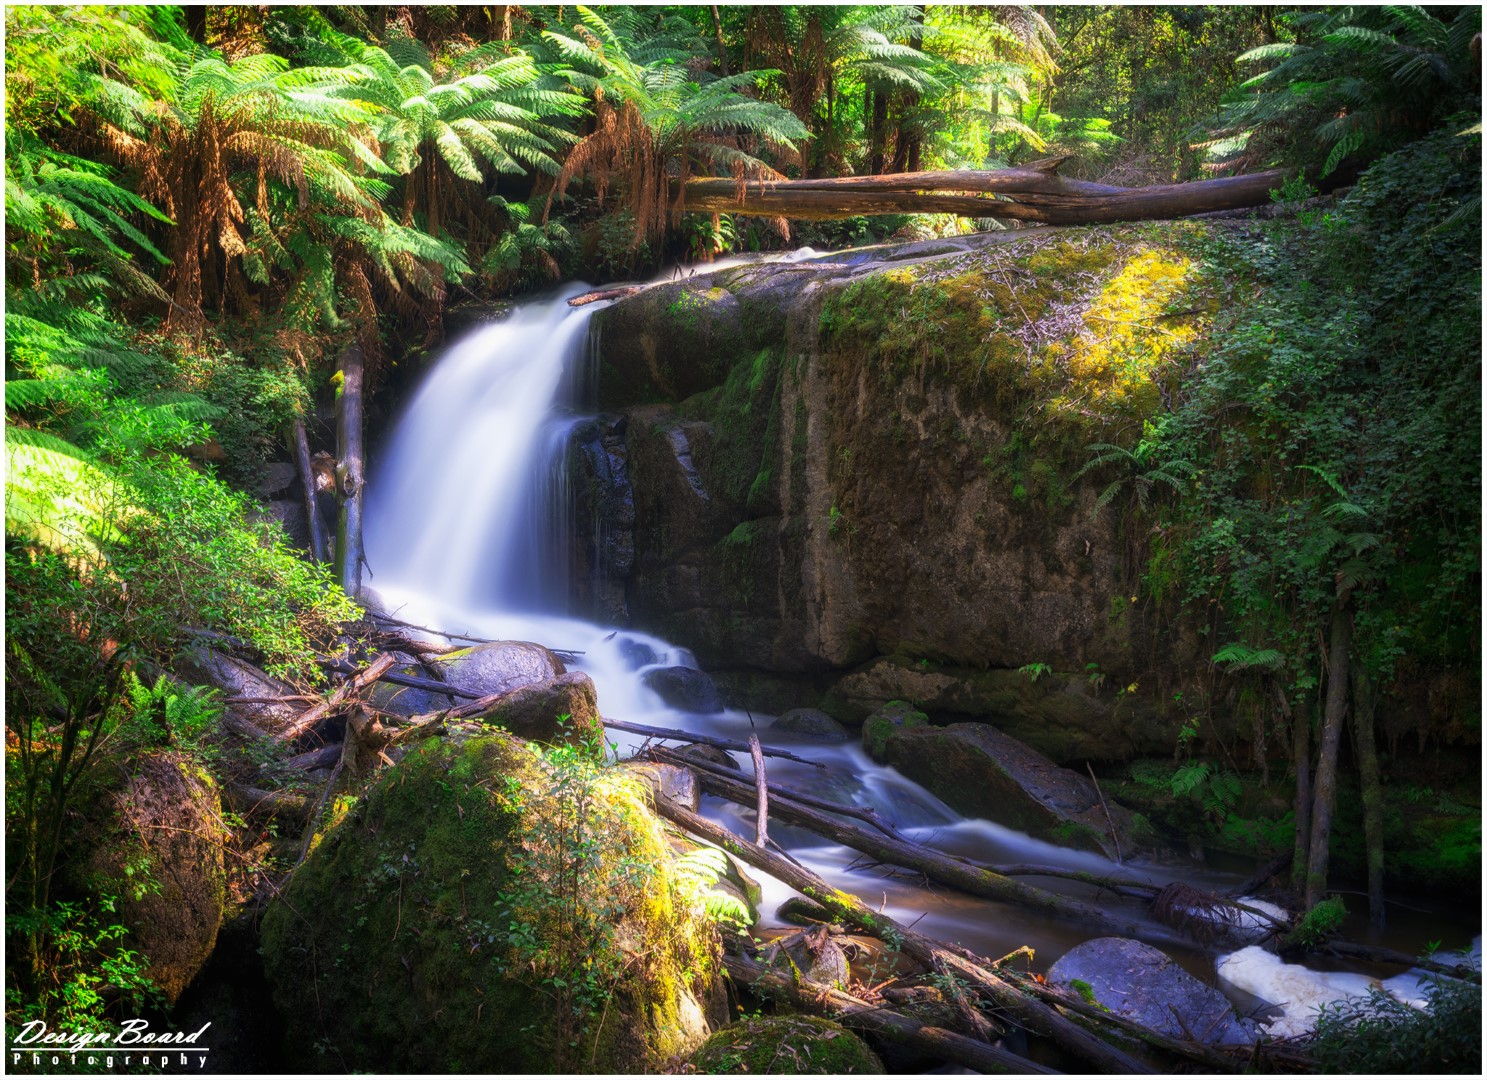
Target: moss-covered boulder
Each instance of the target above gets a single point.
(784, 1045)
(496, 667)
(155, 840)
(564, 709)
(486, 908)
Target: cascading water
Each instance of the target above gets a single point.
(465, 531)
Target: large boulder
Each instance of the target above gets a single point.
(786, 1045)
(1143, 984)
(496, 667)
(984, 773)
(454, 921)
(563, 709)
(685, 688)
(155, 840)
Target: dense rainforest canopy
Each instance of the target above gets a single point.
(206, 206)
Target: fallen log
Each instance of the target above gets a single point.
(707, 740)
(1379, 955)
(847, 909)
(412, 681)
(853, 1012)
(247, 800)
(352, 686)
(1033, 192)
(604, 294)
(861, 813)
(322, 758)
(936, 866)
(350, 470)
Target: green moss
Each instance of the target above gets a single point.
(403, 942)
(782, 1045)
(879, 728)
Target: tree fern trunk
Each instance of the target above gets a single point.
(1301, 757)
(1339, 645)
(350, 471)
(1373, 794)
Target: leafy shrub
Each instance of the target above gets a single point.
(1380, 1034)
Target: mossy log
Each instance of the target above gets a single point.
(850, 911)
(1033, 192)
(853, 1012)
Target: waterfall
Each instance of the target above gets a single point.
(467, 529)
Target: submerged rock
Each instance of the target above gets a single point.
(685, 688)
(426, 930)
(886, 722)
(983, 773)
(812, 724)
(786, 1045)
(158, 847)
(481, 670)
(1143, 984)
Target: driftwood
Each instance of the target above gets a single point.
(862, 813)
(846, 909)
(1033, 192)
(412, 681)
(352, 686)
(936, 866)
(707, 740)
(319, 542)
(761, 793)
(1379, 955)
(604, 294)
(350, 470)
(323, 758)
(853, 1012)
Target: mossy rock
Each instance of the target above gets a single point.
(495, 667)
(782, 1045)
(155, 839)
(422, 934)
(885, 722)
(560, 710)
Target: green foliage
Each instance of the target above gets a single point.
(1036, 671)
(1329, 427)
(1381, 1035)
(1216, 790)
(166, 713)
(87, 981)
(697, 871)
(1320, 923)
(1355, 80)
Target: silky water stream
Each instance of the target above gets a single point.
(466, 530)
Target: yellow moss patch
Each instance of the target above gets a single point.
(1129, 336)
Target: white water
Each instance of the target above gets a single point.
(465, 531)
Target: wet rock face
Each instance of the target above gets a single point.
(812, 724)
(603, 541)
(805, 503)
(982, 772)
(1143, 984)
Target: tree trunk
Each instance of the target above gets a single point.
(1033, 192)
(722, 48)
(1373, 794)
(877, 133)
(319, 542)
(1301, 757)
(1339, 644)
(350, 471)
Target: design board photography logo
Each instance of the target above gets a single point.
(133, 1046)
